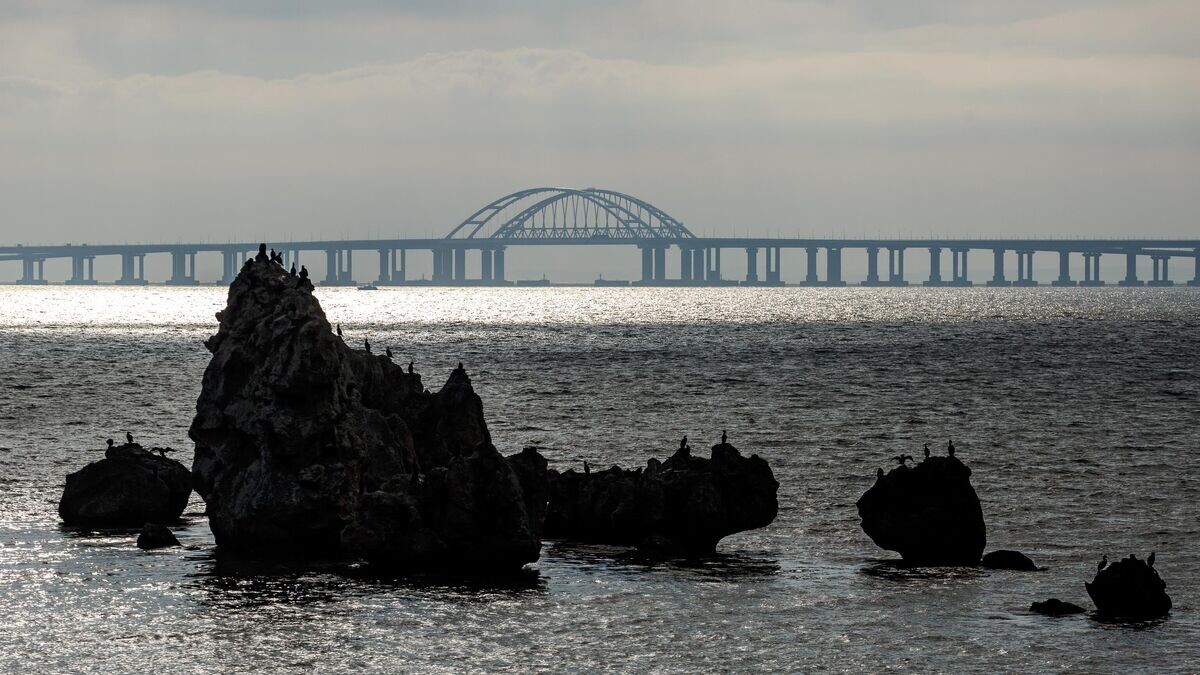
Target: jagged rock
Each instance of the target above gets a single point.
(1056, 607)
(129, 487)
(156, 536)
(530, 467)
(306, 447)
(1129, 588)
(928, 513)
(1008, 560)
(682, 506)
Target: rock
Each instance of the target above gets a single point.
(1008, 560)
(682, 506)
(928, 513)
(1055, 607)
(308, 448)
(126, 489)
(156, 536)
(1129, 588)
(530, 467)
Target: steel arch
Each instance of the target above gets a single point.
(606, 214)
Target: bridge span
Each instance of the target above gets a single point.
(594, 217)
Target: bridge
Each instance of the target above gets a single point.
(548, 216)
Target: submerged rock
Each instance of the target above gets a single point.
(306, 447)
(682, 506)
(1008, 560)
(129, 487)
(1129, 588)
(156, 536)
(1056, 607)
(928, 513)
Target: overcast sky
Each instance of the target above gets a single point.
(175, 121)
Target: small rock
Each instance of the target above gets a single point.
(1008, 560)
(1056, 607)
(155, 535)
(1129, 588)
(130, 486)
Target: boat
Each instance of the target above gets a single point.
(368, 287)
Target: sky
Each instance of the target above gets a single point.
(173, 121)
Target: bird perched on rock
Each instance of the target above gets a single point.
(110, 442)
(304, 272)
(879, 474)
(410, 366)
(129, 438)
(388, 352)
(683, 443)
(587, 468)
(339, 330)
(292, 273)
(262, 254)
(1102, 564)
(902, 459)
(926, 451)
(367, 344)
(162, 452)
(460, 366)
(724, 437)
(950, 448)
(1150, 560)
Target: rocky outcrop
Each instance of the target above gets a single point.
(1129, 588)
(1056, 607)
(155, 535)
(1008, 560)
(682, 506)
(530, 467)
(928, 513)
(128, 488)
(306, 447)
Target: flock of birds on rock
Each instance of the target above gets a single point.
(162, 452)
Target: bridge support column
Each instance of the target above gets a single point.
(229, 267)
(751, 266)
(498, 265)
(1131, 278)
(132, 270)
(1196, 275)
(333, 264)
(179, 269)
(647, 264)
(1162, 276)
(810, 272)
(873, 267)
(460, 265)
(1064, 270)
(833, 267)
(896, 267)
(1091, 270)
(385, 266)
(998, 269)
(698, 265)
(935, 267)
(715, 271)
(685, 264)
(399, 265)
(1025, 269)
(660, 264)
(33, 272)
(959, 273)
(78, 276)
(485, 265)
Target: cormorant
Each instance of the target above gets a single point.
(1103, 563)
(367, 344)
(292, 273)
(388, 351)
(110, 442)
(262, 254)
(683, 443)
(724, 438)
(879, 473)
(926, 451)
(950, 448)
(1150, 560)
(339, 330)
(129, 437)
(460, 366)
(304, 272)
(902, 458)
(587, 469)
(274, 257)
(410, 365)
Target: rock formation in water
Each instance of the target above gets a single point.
(928, 513)
(128, 488)
(306, 447)
(155, 535)
(1129, 588)
(1008, 560)
(1056, 607)
(682, 506)
(530, 467)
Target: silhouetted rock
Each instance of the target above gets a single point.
(1008, 560)
(928, 513)
(156, 536)
(1129, 588)
(306, 447)
(682, 506)
(129, 487)
(1056, 607)
(530, 467)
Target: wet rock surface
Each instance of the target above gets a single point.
(928, 513)
(155, 535)
(1129, 588)
(131, 486)
(682, 506)
(308, 448)
(1008, 560)
(1056, 607)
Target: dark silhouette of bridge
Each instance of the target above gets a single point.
(596, 217)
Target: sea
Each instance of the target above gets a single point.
(1075, 408)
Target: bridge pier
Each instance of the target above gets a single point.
(896, 266)
(959, 274)
(133, 269)
(1064, 270)
(647, 264)
(810, 266)
(1196, 276)
(685, 264)
(498, 265)
(935, 267)
(339, 266)
(698, 265)
(78, 276)
(752, 266)
(33, 271)
(460, 265)
(1131, 278)
(1162, 276)
(714, 272)
(385, 266)
(833, 267)
(1091, 270)
(1025, 269)
(180, 275)
(660, 264)
(873, 267)
(485, 265)
(998, 269)
(229, 268)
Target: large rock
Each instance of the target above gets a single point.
(128, 488)
(1129, 588)
(682, 506)
(928, 513)
(306, 447)
(530, 467)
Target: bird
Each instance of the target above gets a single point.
(303, 272)
(162, 452)
(926, 451)
(129, 438)
(367, 344)
(724, 437)
(587, 469)
(460, 366)
(110, 442)
(292, 273)
(388, 351)
(1103, 563)
(1150, 560)
(410, 366)
(902, 458)
(683, 443)
(879, 474)
(262, 254)
(339, 330)
(950, 448)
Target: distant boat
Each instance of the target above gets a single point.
(368, 287)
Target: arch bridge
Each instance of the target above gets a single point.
(544, 216)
